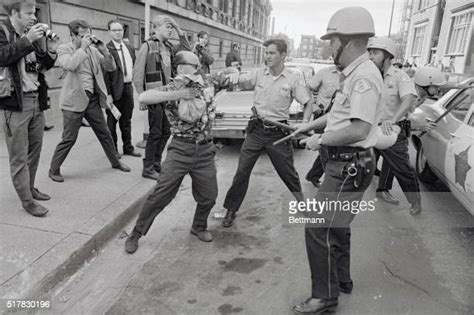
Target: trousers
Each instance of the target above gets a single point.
(125, 106)
(281, 156)
(197, 160)
(396, 162)
(72, 124)
(158, 136)
(24, 138)
(328, 246)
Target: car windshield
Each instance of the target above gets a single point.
(306, 71)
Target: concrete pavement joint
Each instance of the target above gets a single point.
(33, 228)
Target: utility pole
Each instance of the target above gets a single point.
(391, 18)
(146, 126)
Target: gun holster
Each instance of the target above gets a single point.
(361, 167)
(252, 124)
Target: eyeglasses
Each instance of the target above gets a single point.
(189, 64)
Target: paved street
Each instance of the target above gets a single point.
(400, 264)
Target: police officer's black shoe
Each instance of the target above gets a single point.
(131, 244)
(315, 306)
(387, 197)
(229, 218)
(415, 208)
(346, 287)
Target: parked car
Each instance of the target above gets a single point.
(447, 151)
(234, 109)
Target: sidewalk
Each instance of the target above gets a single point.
(94, 202)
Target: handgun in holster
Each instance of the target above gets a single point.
(405, 126)
(254, 119)
(364, 164)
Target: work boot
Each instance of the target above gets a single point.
(346, 286)
(203, 235)
(229, 218)
(131, 244)
(38, 195)
(33, 208)
(385, 195)
(149, 171)
(316, 306)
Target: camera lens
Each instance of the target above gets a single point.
(51, 35)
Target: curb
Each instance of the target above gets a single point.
(67, 256)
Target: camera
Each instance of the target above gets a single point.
(32, 66)
(49, 33)
(95, 40)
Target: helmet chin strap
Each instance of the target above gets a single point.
(344, 42)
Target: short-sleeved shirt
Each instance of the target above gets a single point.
(397, 85)
(197, 130)
(274, 95)
(359, 97)
(326, 82)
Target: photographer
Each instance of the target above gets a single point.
(23, 96)
(83, 93)
(202, 50)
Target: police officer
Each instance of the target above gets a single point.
(346, 150)
(400, 94)
(275, 89)
(325, 83)
(431, 82)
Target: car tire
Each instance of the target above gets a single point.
(423, 170)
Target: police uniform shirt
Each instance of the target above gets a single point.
(128, 60)
(358, 97)
(326, 82)
(274, 95)
(397, 85)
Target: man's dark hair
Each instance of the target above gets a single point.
(112, 22)
(16, 5)
(234, 45)
(202, 34)
(76, 24)
(279, 43)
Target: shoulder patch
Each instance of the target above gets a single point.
(362, 85)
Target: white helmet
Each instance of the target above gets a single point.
(384, 141)
(383, 43)
(350, 21)
(427, 76)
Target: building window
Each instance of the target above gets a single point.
(423, 4)
(460, 29)
(221, 44)
(418, 37)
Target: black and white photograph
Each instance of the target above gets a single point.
(237, 157)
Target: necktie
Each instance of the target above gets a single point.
(123, 62)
